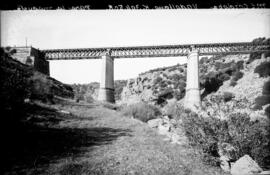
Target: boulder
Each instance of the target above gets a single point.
(164, 128)
(175, 138)
(64, 112)
(245, 166)
(225, 164)
(154, 123)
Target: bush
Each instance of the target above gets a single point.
(254, 56)
(248, 137)
(237, 75)
(224, 77)
(261, 101)
(240, 65)
(157, 81)
(266, 88)
(203, 132)
(267, 112)
(212, 82)
(41, 88)
(13, 83)
(233, 83)
(89, 98)
(264, 99)
(170, 109)
(263, 69)
(164, 95)
(228, 96)
(142, 111)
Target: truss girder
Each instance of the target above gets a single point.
(155, 51)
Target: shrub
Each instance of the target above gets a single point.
(237, 75)
(164, 95)
(233, 83)
(178, 95)
(228, 96)
(266, 88)
(264, 99)
(248, 137)
(157, 81)
(263, 69)
(89, 98)
(203, 132)
(240, 65)
(267, 111)
(261, 101)
(142, 111)
(13, 83)
(170, 109)
(224, 76)
(253, 56)
(203, 60)
(212, 82)
(41, 88)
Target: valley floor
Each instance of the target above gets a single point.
(92, 139)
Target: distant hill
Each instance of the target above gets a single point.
(89, 92)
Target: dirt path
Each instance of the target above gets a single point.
(97, 140)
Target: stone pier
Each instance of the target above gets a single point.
(106, 90)
(263, 56)
(193, 96)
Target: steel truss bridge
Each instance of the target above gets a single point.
(155, 51)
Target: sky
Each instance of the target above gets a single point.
(55, 29)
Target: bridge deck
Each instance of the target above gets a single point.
(155, 51)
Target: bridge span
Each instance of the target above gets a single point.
(154, 51)
(192, 51)
(108, 54)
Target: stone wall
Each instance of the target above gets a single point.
(32, 57)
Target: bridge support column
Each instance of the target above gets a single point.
(193, 96)
(106, 90)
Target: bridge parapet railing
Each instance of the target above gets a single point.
(155, 51)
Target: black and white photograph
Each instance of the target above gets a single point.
(135, 91)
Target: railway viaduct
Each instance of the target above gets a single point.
(192, 51)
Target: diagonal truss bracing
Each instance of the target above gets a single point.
(155, 51)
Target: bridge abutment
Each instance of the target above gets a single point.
(193, 96)
(106, 90)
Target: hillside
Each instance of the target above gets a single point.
(89, 92)
(20, 84)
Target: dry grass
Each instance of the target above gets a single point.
(97, 140)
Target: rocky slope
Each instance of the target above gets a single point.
(222, 75)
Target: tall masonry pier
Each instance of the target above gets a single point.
(193, 96)
(106, 90)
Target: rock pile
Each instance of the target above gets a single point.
(167, 127)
